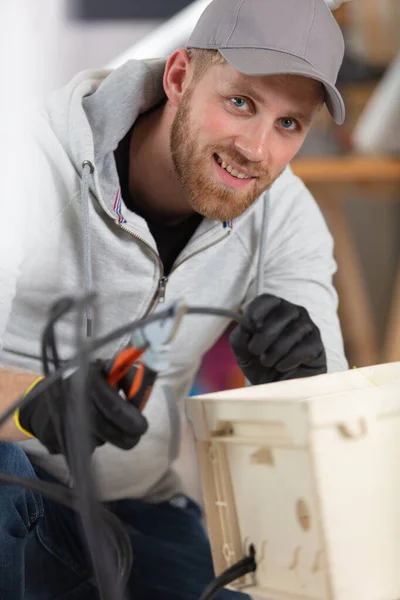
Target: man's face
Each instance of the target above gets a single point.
(234, 134)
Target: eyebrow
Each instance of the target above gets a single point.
(293, 114)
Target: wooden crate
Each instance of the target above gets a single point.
(308, 471)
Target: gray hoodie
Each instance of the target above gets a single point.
(76, 234)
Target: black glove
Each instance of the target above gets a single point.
(113, 419)
(280, 342)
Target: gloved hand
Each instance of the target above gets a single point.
(280, 342)
(113, 419)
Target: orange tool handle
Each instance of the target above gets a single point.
(132, 377)
(122, 363)
(138, 384)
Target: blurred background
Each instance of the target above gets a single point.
(353, 170)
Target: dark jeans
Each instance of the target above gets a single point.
(42, 557)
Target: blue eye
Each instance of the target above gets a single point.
(288, 123)
(239, 102)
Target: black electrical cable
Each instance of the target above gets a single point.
(77, 447)
(50, 356)
(73, 363)
(68, 366)
(66, 496)
(97, 521)
(168, 312)
(54, 491)
(58, 310)
(239, 569)
(99, 524)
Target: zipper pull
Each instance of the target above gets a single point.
(162, 285)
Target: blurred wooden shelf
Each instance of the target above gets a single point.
(347, 169)
(330, 180)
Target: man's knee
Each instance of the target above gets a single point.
(20, 507)
(14, 461)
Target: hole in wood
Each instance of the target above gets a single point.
(223, 428)
(353, 434)
(303, 514)
(263, 456)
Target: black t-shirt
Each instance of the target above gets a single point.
(170, 239)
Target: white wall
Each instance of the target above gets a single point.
(68, 46)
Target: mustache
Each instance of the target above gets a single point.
(235, 156)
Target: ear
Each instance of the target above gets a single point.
(177, 76)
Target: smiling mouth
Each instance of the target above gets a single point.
(231, 170)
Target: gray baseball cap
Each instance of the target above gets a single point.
(271, 37)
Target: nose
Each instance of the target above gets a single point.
(253, 142)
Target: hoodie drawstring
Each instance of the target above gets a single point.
(87, 171)
(262, 246)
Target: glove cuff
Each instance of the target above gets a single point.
(17, 414)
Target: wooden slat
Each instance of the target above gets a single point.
(327, 178)
(347, 169)
(355, 311)
(391, 351)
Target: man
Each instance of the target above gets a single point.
(164, 180)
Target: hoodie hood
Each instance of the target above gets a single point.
(103, 107)
(111, 111)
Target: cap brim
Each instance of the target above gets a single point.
(257, 61)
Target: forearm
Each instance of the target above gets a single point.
(13, 384)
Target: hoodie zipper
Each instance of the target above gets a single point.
(162, 282)
(162, 287)
(159, 295)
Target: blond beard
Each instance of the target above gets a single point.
(205, 195)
